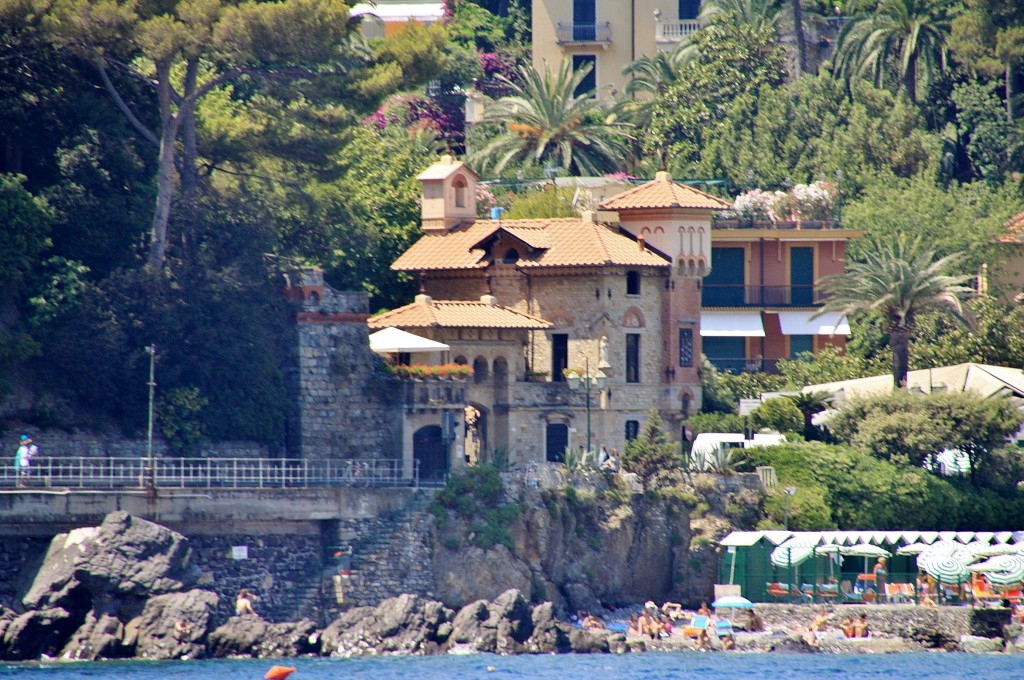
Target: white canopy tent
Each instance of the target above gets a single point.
(393, 340)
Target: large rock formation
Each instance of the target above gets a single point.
(251, 636)
(413, 625)
(172, 626)
(91, 583)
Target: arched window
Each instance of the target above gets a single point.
(460, 192)
(511, 256)
(480, 371)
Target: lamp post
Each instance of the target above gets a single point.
(151, 350)
(583, 383)
(790, 490)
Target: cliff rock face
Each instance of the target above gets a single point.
(581, 550)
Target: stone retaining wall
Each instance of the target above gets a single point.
(925, 624)
(390, 555)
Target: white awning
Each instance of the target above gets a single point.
(742, 539)
(396, 340)
(731, 324)
(801, 323)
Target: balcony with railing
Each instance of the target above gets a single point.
(668, 34)
(599, 33)
(727, 295)
(112, 472)
(730, 221)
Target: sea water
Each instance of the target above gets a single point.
(643, 666)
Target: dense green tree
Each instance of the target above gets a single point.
(988, 39)
(817, 130)
(903, 39)
(547, 121)
(996, 338)
(838, 487)
(913, 430)
(652, 451)
(779, 414)
(183, 51)
(993, 144)
(900, 279)
(962, 218)
(754, 14)
(729, 61)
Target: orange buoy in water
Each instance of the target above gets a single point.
(279, 672)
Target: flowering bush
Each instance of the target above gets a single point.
(755, 205)
(815, 201)
(424, 371)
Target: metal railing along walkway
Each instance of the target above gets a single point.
(226, 473)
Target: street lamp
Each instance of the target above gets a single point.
(151, 350)
(583, 383)
(790, 490)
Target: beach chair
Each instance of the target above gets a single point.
(848, 594)
(895, 593)
(828, 590)
(1013, 595)
(723, 627)
(696, 625)
(778, 589)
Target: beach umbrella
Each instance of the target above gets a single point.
(732, 602)
(1007, 570)
(865, 550)
(947, 569)
(945, 550)
(913, 549)
(790, 556)
(989, 567)
(986, 550)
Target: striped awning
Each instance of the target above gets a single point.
(944, 539)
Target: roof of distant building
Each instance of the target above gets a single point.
(662, 192)
(1014, 230)
(554, 242)
(428, 313)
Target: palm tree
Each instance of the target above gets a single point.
(753, 13)
(900, 280)
(547, 120)
(653, 75)
(905, 38)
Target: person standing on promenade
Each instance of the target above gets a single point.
(22, 460)
(881, 572)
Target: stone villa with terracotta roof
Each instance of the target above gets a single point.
(631, 296)
(526, 302)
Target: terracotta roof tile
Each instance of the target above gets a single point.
(443, 168)
(1014, 230)
(662, 192)
(560, 242)
(456, 314)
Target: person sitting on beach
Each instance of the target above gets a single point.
(633, 627)
(243, 603)
(704, 640)
(860, 627)
(666, 625)
(847, 626)
(820, 623)
(673, 610)
(754, 622)
(591, 622)
(728, 642)
(704, 609)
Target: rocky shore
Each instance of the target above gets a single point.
(128, 589)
